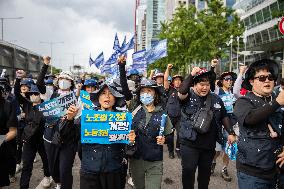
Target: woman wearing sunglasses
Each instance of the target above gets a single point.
(256, 159)
(224, 91)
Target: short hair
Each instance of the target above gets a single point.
(202, 78)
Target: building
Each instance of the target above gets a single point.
(155, 14)
(141, 25)
(13, 57)
(262, 37)
(172, 5)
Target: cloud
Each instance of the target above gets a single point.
(84, 26)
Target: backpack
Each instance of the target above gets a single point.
(201, 120)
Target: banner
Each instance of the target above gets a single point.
(128, 46)
(139, 62)
(104, 127)
(86, 102)
(57, 107)
(99, 60)
(112, 59)
(157, 52)
(116, 45)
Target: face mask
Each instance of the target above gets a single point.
(146, 98)
(64, 84)
(35, 99)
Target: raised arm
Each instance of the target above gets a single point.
(238, 83)
(40, 79)
(123, 80)
(166, 76)
(187, 83)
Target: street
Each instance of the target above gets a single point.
(171, 178)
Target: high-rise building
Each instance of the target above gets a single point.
(155, 14)
(172, 5)
(262, 36)
(141, 25)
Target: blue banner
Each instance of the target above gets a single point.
(139, 62)
(99, 60)
(158, 51)
(116, 45)
(123, 43)
(54, 109)
(128, 46)
(86, 102)
(104, 127)
(112, 59)
(91, 62)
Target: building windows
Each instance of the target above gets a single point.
(265, 36)
(259, 17)
(266, 14)
(252, 20)
(273, 33)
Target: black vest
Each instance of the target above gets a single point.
(255, 146)
(173, 104)
(187, 113)
(147, 147)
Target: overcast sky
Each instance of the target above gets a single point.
(85, 26)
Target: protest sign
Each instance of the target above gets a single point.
(103, 127)
(86, 102)
(57, 107)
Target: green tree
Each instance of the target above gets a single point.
(198, 36)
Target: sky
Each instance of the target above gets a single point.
(85, 26)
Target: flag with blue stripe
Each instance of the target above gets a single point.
(91, 61)
(128, 46)
(112, 59)
(123, 43)
(139, 61)
(158, 51)
(116, 45)
(99, 60)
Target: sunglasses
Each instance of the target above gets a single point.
(228, 79)
(262, 78)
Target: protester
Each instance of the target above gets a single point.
(60, 152)
(256, 156)
(202, 117)
(97, 170)
(146, 164)
(32, 136)
(173, 108)
(224, 91)
(8, 132)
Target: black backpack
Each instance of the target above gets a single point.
(202, 118)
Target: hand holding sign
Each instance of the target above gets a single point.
(161, 140)
(72, 112)
(132, 136)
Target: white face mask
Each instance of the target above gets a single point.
(64, 84)
(35, 98)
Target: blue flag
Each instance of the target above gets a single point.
(139, 61)
(112, 59)
(99, 60)
(158, 51)
(91, 61)
(116, 45)
(128, 46)
(123, 43)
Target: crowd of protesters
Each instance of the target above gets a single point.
(206, 113)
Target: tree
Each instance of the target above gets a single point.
(198, 36)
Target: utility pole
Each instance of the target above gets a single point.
(51, 43)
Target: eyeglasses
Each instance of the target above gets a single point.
(262, 78)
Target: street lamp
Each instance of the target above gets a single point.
(51, 43)
(2, 23)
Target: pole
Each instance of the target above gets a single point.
(2, 28)
(231, 56)
(51, 57)
(238, 38)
